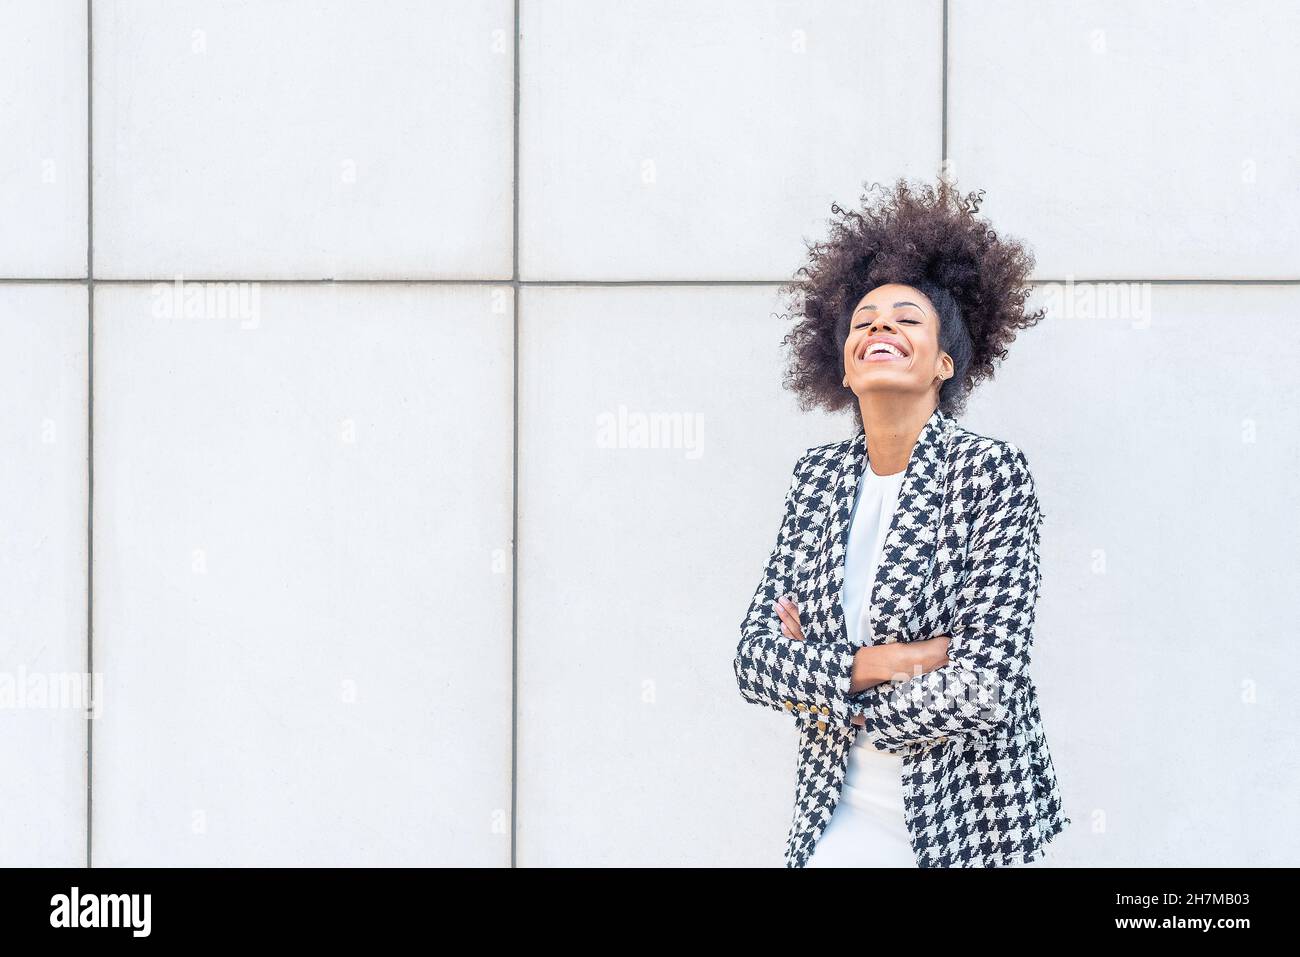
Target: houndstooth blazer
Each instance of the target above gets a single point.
(960, 559)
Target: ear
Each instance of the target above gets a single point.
(946, 367)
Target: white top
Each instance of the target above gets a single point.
(869, 825)
(873, 512)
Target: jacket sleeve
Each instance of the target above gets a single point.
(779, 672)
(992, 627)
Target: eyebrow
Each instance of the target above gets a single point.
(896, 305)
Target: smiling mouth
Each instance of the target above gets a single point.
(881, 352)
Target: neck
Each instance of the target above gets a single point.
(892, 425)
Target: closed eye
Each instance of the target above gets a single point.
(910, 322)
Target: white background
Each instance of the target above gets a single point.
(365, 580)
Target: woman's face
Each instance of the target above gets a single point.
(893, 344)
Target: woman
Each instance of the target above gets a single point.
(894, 620)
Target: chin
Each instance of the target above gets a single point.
(885, 383)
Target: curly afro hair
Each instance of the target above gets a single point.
(927, 237)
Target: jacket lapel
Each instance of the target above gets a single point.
(909, 547)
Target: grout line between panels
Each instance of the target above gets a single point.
(90, 429)
(542, 283)
(943, 148)
(514, 472)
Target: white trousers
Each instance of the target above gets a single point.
(867, 827)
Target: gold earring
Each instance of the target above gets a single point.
(846, 380)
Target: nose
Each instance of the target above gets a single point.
(880, 325)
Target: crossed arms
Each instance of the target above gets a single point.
(906, 693)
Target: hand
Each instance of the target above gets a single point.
(925, 656)
(788, 612)
(909, 658)
(902, 660)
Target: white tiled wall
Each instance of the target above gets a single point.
(304, 139)
(43, 727)
(317, 640)
(1158, 139)
(687, 140)
(302, 605)
(43, 126)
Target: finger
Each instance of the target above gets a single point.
(789, 620)
(792, 615)
(781, 613)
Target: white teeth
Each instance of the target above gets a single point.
(885, 347)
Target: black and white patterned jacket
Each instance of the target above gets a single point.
(960, 559)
